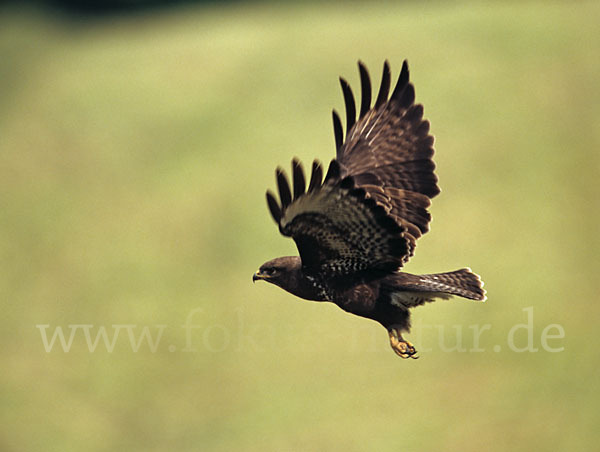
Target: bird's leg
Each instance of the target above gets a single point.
(402, 348)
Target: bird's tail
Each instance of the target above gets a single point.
(416, 289)
(463, 283)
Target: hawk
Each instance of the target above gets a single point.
(357, 227)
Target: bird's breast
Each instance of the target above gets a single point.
(359, 299)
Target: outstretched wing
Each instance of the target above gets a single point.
(389, 150)
(338, 229)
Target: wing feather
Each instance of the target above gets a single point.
(372, 205)
(333, 172)
(350, 105)
(285, 195)
(384, 87)
(402, 82)
(365, 89)
(389, 150)
(338, 228)
(273, 206)
(316, 176)
(298, 176)
(337, 130)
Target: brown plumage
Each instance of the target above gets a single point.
(358, 226)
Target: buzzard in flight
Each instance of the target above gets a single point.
(358, 226)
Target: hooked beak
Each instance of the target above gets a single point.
(258, 276)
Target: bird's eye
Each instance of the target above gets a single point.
(270, 270)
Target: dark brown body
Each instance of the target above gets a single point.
(380, 297)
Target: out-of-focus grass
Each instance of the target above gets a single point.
(134, 155)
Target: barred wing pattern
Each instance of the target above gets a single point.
(372, 206)
(389, 151)
(337, 228)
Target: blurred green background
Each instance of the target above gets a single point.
(134, 155)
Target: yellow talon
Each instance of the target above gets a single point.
(401, 347)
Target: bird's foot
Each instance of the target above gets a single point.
(402, 348)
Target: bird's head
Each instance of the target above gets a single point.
(281, 271)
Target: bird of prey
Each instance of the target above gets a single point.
(358, 226)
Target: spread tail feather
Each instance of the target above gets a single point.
(411, 290)
(463, 283)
